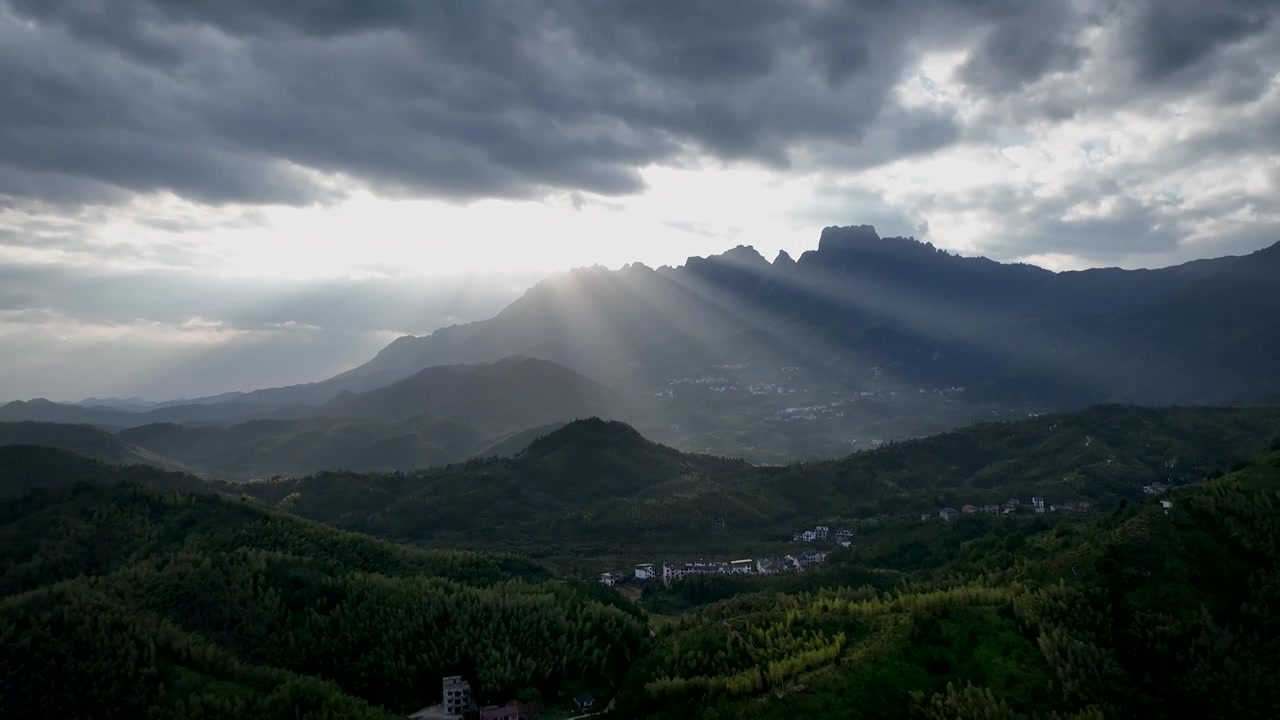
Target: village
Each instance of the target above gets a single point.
(669, 572)
(1008, 507)
(1037, 504)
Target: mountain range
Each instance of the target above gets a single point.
(437, 416)
(1202, 332)
(863, 340)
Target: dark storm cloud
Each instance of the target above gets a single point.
(1171, 36)
(234, 101)
(1033, 40)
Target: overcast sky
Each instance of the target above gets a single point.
(211, 195)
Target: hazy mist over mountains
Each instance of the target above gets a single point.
(640, 359)
(863, 340)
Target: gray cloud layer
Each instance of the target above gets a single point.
(250, 102)
(232, 100)
(71, 333)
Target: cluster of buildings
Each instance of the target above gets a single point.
(843, 536)
(1155, 488)
(1008, 507)
(670, 572)
(456, 703)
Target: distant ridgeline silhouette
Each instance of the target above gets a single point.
(862, 340)
(1203, 332)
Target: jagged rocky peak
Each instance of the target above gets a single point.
(784, 260)
(637, 268)
(862, 241)
(745, 254)
(837, 239)
(742, 256)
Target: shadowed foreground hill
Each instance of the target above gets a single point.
(123, 601)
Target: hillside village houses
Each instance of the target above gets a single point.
(1010, 506)
(821, 532)
(677, 570)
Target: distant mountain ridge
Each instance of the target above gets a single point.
(511, 394)
(86, 440)
(440, 415)
(933, 318)
(861, 340)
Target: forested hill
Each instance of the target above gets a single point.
(595, 484)
(32, 467)
(1142, 612)
(127, 602)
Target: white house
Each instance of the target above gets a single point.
(609, 579)
(644, 571)
(1038, 504)
(820, 532)
(808, 536)
(741, 567)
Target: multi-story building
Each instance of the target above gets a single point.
(644, 571)
(457, 696)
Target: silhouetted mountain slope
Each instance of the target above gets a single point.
(918, 314)
(512, 444)
(511, 394)
(268, 447)
(83, 439)
(41, 410)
